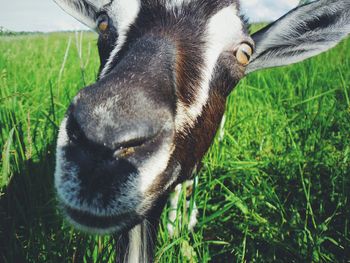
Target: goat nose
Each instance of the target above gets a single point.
(106, 138)
(116, 118)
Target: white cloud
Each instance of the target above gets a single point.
(266, 10)
(45, 15)
(35, 15)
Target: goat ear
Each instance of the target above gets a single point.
(82, 10)
(304, 32)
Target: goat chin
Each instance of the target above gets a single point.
(141, 238)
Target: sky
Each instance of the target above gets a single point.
(46, 16)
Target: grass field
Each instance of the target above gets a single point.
(275, 189)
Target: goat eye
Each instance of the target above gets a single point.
(102, 23)
(244, 53)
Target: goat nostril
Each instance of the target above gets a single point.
(124, 152)
(127, 148)
(132, 143)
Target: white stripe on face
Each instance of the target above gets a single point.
(224, 31)
(156, 164)
(124, 14)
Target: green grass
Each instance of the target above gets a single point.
(275, 189)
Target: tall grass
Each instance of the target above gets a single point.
(275, 188)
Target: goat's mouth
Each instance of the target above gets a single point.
(107, 191)
(99, 224)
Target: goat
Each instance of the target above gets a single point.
(167, 67)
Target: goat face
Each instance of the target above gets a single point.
(166, 70)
